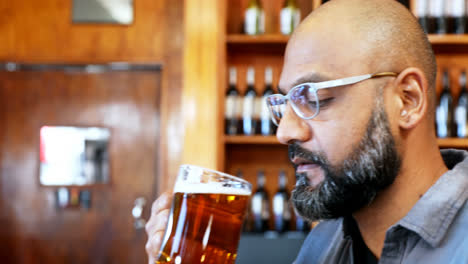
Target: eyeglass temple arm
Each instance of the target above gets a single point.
(351, 80)
(384, 74)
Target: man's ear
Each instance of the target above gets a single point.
(412, 88)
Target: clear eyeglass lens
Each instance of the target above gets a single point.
(277, 106)
(305, 101)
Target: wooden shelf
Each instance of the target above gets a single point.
(449, 39)
(257, 39)
(251, 140)
(272, 140)
(453, 143)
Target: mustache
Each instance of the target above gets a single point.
(296, 151)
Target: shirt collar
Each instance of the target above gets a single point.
(432, 215)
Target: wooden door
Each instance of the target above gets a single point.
(32, 228)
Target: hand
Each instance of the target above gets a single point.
(156, 225)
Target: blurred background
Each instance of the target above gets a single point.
(101, 101)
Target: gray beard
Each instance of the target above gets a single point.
(370, 167)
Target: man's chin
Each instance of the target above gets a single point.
(308, 204)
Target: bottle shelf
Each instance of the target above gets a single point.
(272, 140)
(449, 39)
(265, 140)
(453, 143)
(436, 39)
(257, 39)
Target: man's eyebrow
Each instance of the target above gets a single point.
(312, 77)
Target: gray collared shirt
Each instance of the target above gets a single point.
(434, 231)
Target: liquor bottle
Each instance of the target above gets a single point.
(422, 14)
(250, 108)
(436, 20)
(266, 124)
(290, 16)
(254, 23)
(456, 16)
(85, 199)
(260, 206)
(444, 111)
(461, 109)
(281, 209)
(231, 117)
(301, 223)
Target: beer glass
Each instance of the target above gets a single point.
(206, 217)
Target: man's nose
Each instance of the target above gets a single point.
(292, 128)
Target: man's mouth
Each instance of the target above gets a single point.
(304, 164)
(313, 171)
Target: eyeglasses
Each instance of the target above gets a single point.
(306, 98)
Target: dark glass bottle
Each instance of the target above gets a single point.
(422, 14)
(436, 20)
(281, 209)
(290, 16)
(254, 23)
(444, 111)
(231, 115)
(266, 124)
(260, 205)
(250, 108)
(456, 20)
(301, 224)
(462, 109)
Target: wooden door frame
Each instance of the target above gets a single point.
(204, 77)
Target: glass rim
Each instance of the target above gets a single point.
(218, 172)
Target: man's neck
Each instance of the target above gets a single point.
(393, 203)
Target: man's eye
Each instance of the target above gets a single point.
(322, 103)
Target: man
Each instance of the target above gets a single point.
(364, 148)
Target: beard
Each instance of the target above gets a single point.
(371, 166)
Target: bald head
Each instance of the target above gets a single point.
(382, 35)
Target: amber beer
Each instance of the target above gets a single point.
(206, 217)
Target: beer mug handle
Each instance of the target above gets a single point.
(137, 212)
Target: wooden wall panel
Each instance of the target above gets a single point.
(204, 60)
(42, 32)
(125, 102)
(171, 107)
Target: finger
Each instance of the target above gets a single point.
(157, 222)
(151, 260)
(163, 202)
(153, 245)
(160, 221)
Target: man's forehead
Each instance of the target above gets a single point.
(321, 59)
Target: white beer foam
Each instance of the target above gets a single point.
(212, 187)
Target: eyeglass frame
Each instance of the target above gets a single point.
(324, 85)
